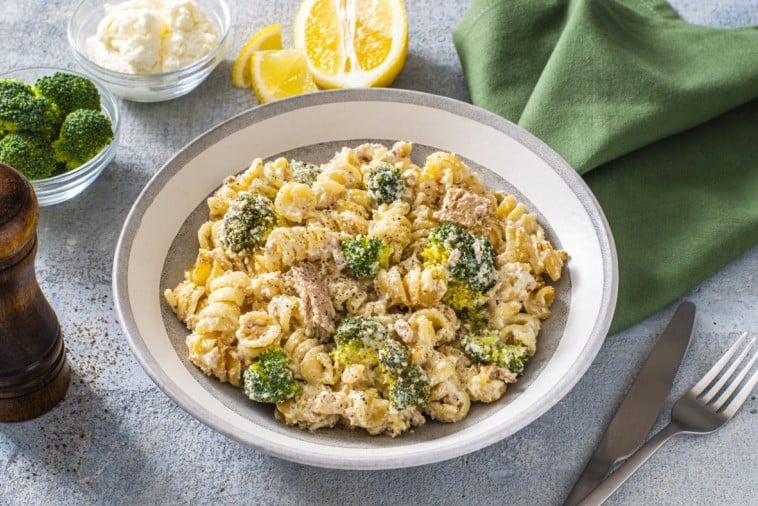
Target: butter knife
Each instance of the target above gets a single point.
(642, 404)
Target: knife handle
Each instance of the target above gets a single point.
(594, 473)
(606, 489)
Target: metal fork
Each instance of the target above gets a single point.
(704, 409)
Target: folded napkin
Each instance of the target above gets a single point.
(658, 115)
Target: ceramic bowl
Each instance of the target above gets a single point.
(159, 241)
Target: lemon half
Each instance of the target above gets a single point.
(353, 43)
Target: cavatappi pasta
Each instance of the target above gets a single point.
(392, 292)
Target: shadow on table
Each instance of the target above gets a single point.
(83, 450)
(425, 75)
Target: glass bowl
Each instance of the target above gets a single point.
(57, 189)
(156, 87)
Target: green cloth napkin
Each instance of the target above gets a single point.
(658, 115)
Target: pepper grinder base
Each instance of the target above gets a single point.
(39, 402)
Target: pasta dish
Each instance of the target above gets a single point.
(367, 291)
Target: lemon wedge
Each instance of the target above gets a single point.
(268, 37)
(353, 43)
(278, 74)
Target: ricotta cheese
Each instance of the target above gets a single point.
(151, 36)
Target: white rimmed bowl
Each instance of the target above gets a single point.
(57, 189)
(158, 241)
(156, 87)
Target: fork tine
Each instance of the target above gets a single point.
(717, 367)
(723, 378)
(739, 399)
(733, 386)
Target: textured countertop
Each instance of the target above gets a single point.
(117, 439)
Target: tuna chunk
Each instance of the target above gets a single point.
(464, 208)
(313, 293)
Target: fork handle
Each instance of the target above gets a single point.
(606, 489)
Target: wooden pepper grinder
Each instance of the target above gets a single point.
(34, 373)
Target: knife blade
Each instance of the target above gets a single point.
(642, 404)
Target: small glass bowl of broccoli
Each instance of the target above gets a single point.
(58, 128)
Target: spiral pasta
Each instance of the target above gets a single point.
(214, 325)
(267, 178)
(419, 287)
(287, 246)
(390, 224)
(256, 332)
(449, 402)
(457, 276)
(310, 358)
(295, 201)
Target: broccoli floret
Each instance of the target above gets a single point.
(83, 134)
(468, 259)
(363, 341)
(462, 298)
(366, 255)
(406, 383)
(28, 152)
(22, 109)
(69, 91)
(410, 387)
(269, 378)
(488, 348)
(359, 341)
(385, 183)
(247, 223)
(394, 357)
(9, 88)
(304, 172)
(30, 110)
(475, 318)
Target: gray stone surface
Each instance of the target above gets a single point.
(117, 439)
